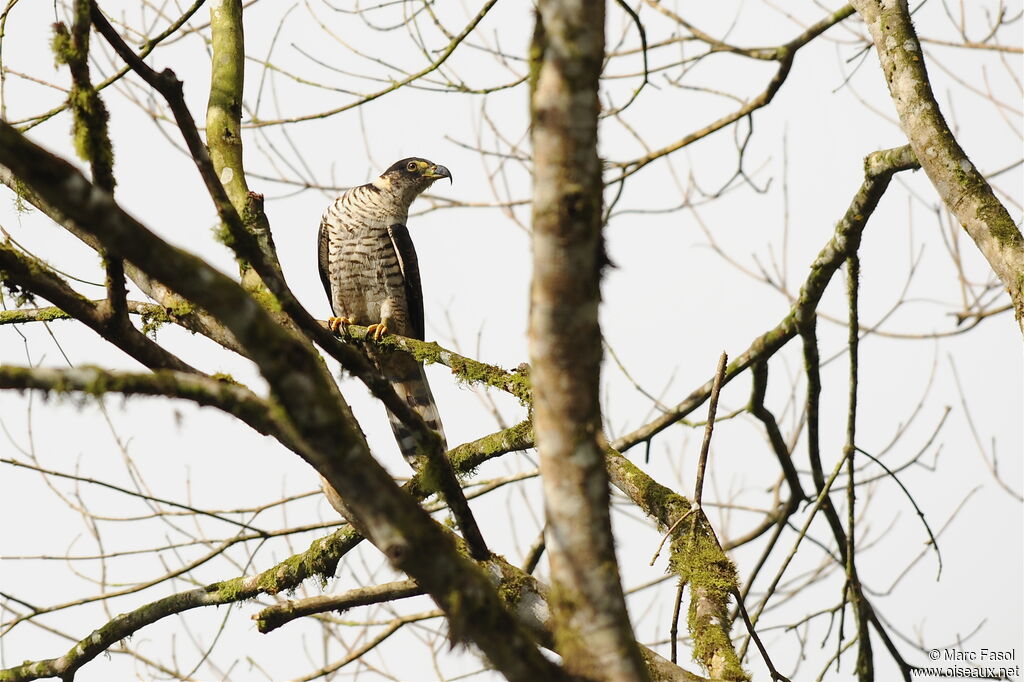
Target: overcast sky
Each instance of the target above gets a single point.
(671, 304)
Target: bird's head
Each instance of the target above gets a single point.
(410, 177)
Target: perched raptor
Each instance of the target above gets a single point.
(368, 267)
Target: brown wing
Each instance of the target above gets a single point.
(410, 266)
(323, 261)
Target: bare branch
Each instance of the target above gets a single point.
(878, 170)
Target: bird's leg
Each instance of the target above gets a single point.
(377, 330)
(390, 312)
(335, 323)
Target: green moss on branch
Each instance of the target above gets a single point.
(90, 117)
(699, 561)
(47, 314)
(696, 558)
(467, 370)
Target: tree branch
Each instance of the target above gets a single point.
(960, 185)
(273, 617)
(592, 628)
(51, 313)
(878, 170)
(35, 276)
(228, 397)
(224, 128)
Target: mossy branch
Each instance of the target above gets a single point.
(962, 188)
(90, 132)
(699, 562)
(467, 457)
(515, 382)
(696, 558)
(34, 276)
(227, 396)
(152, 314)
(89, 115)
(224, 134)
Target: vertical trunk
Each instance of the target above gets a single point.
(224, 130)
(592, 630)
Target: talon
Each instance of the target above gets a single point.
(335, 323)
(377, 330)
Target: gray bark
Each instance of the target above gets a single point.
(962, 188)
(591, 627)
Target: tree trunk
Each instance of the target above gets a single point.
(591, 626)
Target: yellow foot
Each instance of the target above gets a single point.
(335, 323)
(377, 330)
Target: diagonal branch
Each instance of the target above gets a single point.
(35, 276)
(879, 168)
(51, 313)
(963, 189)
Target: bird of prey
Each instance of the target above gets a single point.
(369, 269)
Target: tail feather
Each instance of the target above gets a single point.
(410, 383)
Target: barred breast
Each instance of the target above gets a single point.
(367, 286)
(366, 277)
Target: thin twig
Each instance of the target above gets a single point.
(674, 629)
(709, 427)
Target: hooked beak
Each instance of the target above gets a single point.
(437, 172)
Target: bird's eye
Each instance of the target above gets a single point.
(411, 166)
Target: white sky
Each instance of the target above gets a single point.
(671, 305)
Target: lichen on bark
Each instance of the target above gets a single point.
(962, 188)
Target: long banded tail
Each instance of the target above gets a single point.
(410, 383)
